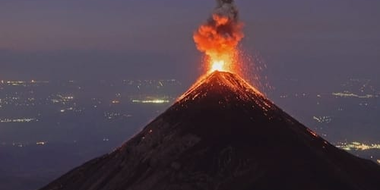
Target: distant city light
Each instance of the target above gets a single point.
(40, 143)
(20, 120)
(24, 83)
(66, 98)
(323, 119)
(358, 146)
(154, 101)
(347, 94)
(115, 102)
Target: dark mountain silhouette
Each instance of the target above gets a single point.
(224, 135)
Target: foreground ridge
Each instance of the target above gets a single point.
(223, 134)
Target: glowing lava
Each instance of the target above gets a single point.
(217, 66)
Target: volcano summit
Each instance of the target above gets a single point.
(224, 135)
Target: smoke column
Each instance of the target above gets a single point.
(219, 37)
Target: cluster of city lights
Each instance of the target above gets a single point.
(357, 146)
(41, 143)
(62, 99)
(323, 119)
(154, 101)
(18, 82)
(348, 95)
(19, 120)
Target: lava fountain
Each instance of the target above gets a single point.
(219, 37)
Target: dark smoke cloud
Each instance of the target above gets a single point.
(226, 9)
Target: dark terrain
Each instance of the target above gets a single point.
(223, 134)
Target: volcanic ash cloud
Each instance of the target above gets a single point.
(219, 37)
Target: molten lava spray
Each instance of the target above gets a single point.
(219, 37)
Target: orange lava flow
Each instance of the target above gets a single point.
(219, 39)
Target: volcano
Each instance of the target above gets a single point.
(223, 134)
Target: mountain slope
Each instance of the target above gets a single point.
(223, 134)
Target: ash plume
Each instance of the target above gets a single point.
(221, 34)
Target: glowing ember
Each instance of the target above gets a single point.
(220, 36)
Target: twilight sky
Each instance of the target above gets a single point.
(314, 41)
